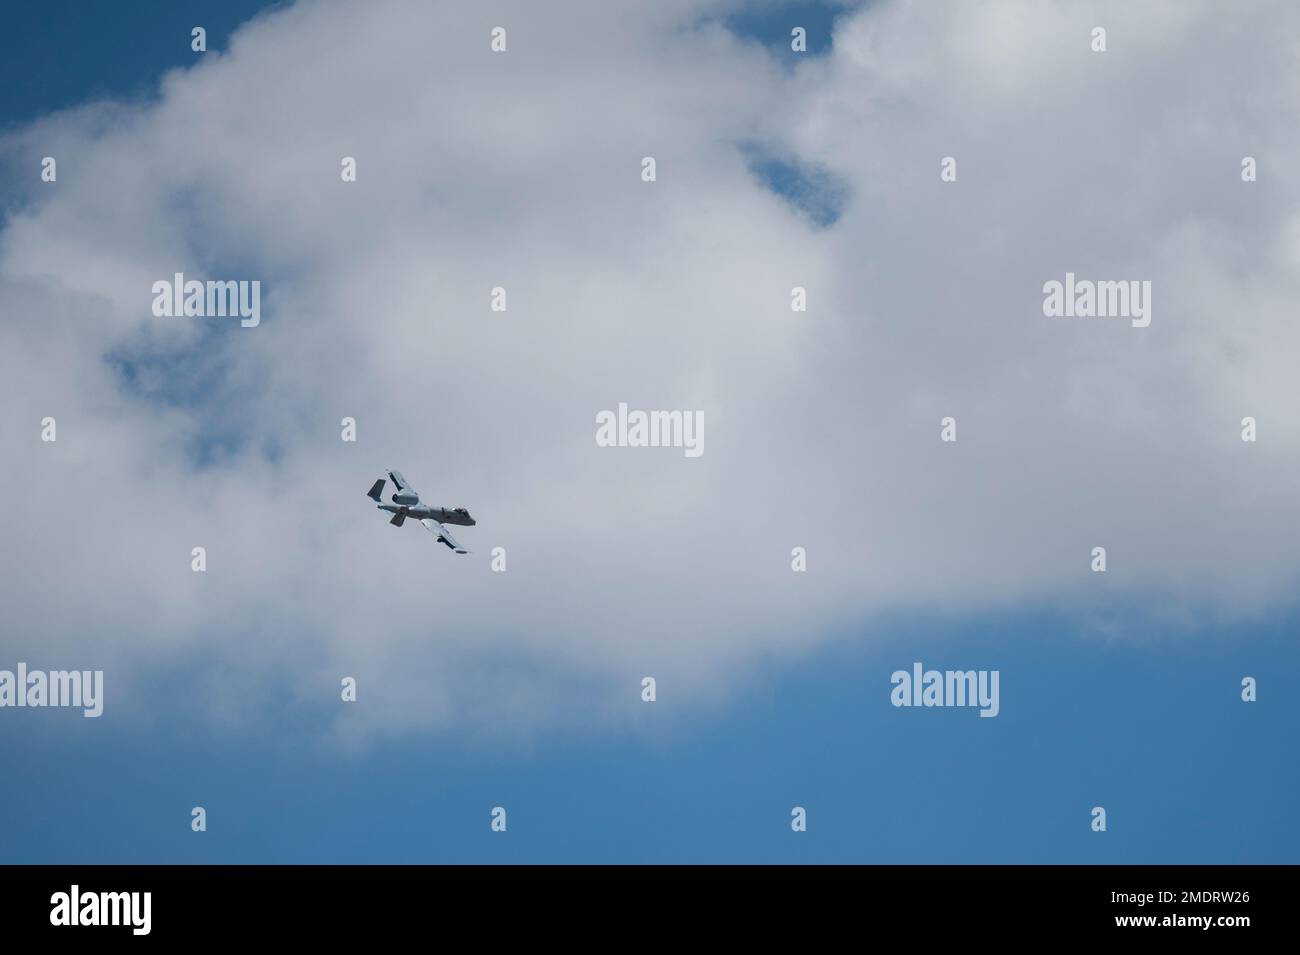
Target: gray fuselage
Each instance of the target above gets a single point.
(422, 512)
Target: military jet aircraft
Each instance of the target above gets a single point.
(406, 503)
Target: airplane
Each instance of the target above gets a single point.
(406, 503)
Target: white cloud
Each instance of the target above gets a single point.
(522, 170)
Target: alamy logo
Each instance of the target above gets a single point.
(923, 687)
(103, 908)
(1088, 299)
(653, 429)
(83, 688)
(208, 299)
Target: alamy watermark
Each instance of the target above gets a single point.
(195, 299)
(83, 688)
(75, 907)
(923, 687)
(1084, 298)
(651, 429)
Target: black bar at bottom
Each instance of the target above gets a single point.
(375, 903)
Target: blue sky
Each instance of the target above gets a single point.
(70, 51)
(1149, 725)
(1188, 773)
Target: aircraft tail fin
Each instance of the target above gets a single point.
(376, 490)
(398, 519)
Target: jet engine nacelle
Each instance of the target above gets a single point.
(406, 498)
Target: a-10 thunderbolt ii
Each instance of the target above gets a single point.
(406, 503)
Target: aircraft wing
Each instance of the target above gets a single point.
(444, 535)
(399, 481)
